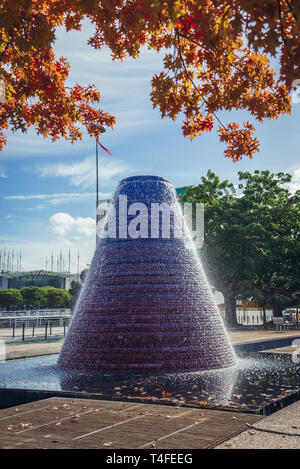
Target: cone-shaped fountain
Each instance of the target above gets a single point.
(146, 305)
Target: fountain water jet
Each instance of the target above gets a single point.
(146, 306)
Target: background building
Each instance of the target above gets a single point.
(37, 278)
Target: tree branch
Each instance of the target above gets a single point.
(291, 9)
(201, 45)
(9, 43)
(282, 28)
(192, 81)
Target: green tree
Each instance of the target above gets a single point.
(276, 280)
(33, 297)
(56, 297)
(225, 252)
(10, 297)
(251, 241)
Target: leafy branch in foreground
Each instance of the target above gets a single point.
(217, 59)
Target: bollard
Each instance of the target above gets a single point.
(23, 331)
(46, 330)
(50, 328)
(33, 329)
(13, 330)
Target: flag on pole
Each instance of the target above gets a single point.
(103, 147)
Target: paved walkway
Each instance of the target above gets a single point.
(278, 431)
(83, 423)
(260, 336)
(283, 350)
(31, 349)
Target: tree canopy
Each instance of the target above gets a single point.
(33, 297)
(39, 297)
(56, 297)
(276, 279)
(217, 58)
(252, 239)
(10, 297)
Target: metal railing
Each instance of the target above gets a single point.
(36, 313)
(33, 328)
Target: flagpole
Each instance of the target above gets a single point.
(102, 130)
(97, 177)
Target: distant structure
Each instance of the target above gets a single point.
(10, 261)
(56, 272)
(180, 191)
(36, 278)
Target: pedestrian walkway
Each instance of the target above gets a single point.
(280, 430)
(245, 337)
(285, 350)
(83, 423)
(31, 349)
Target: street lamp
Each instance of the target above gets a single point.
(102, 130)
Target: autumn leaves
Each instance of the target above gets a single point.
(216, 61)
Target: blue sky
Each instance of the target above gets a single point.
(47, 190)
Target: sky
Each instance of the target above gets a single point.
(47, 190)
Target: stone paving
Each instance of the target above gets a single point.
(240, 337)
(71, 423)
(280, 430)
(282, 350)
(83, 423)
(32, 349)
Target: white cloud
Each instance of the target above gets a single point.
(57, 198)
(89, 65)
(2, 174)
(64, 224)
(82, 173)
(26, 197)
(295, 184)
(32, 209)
